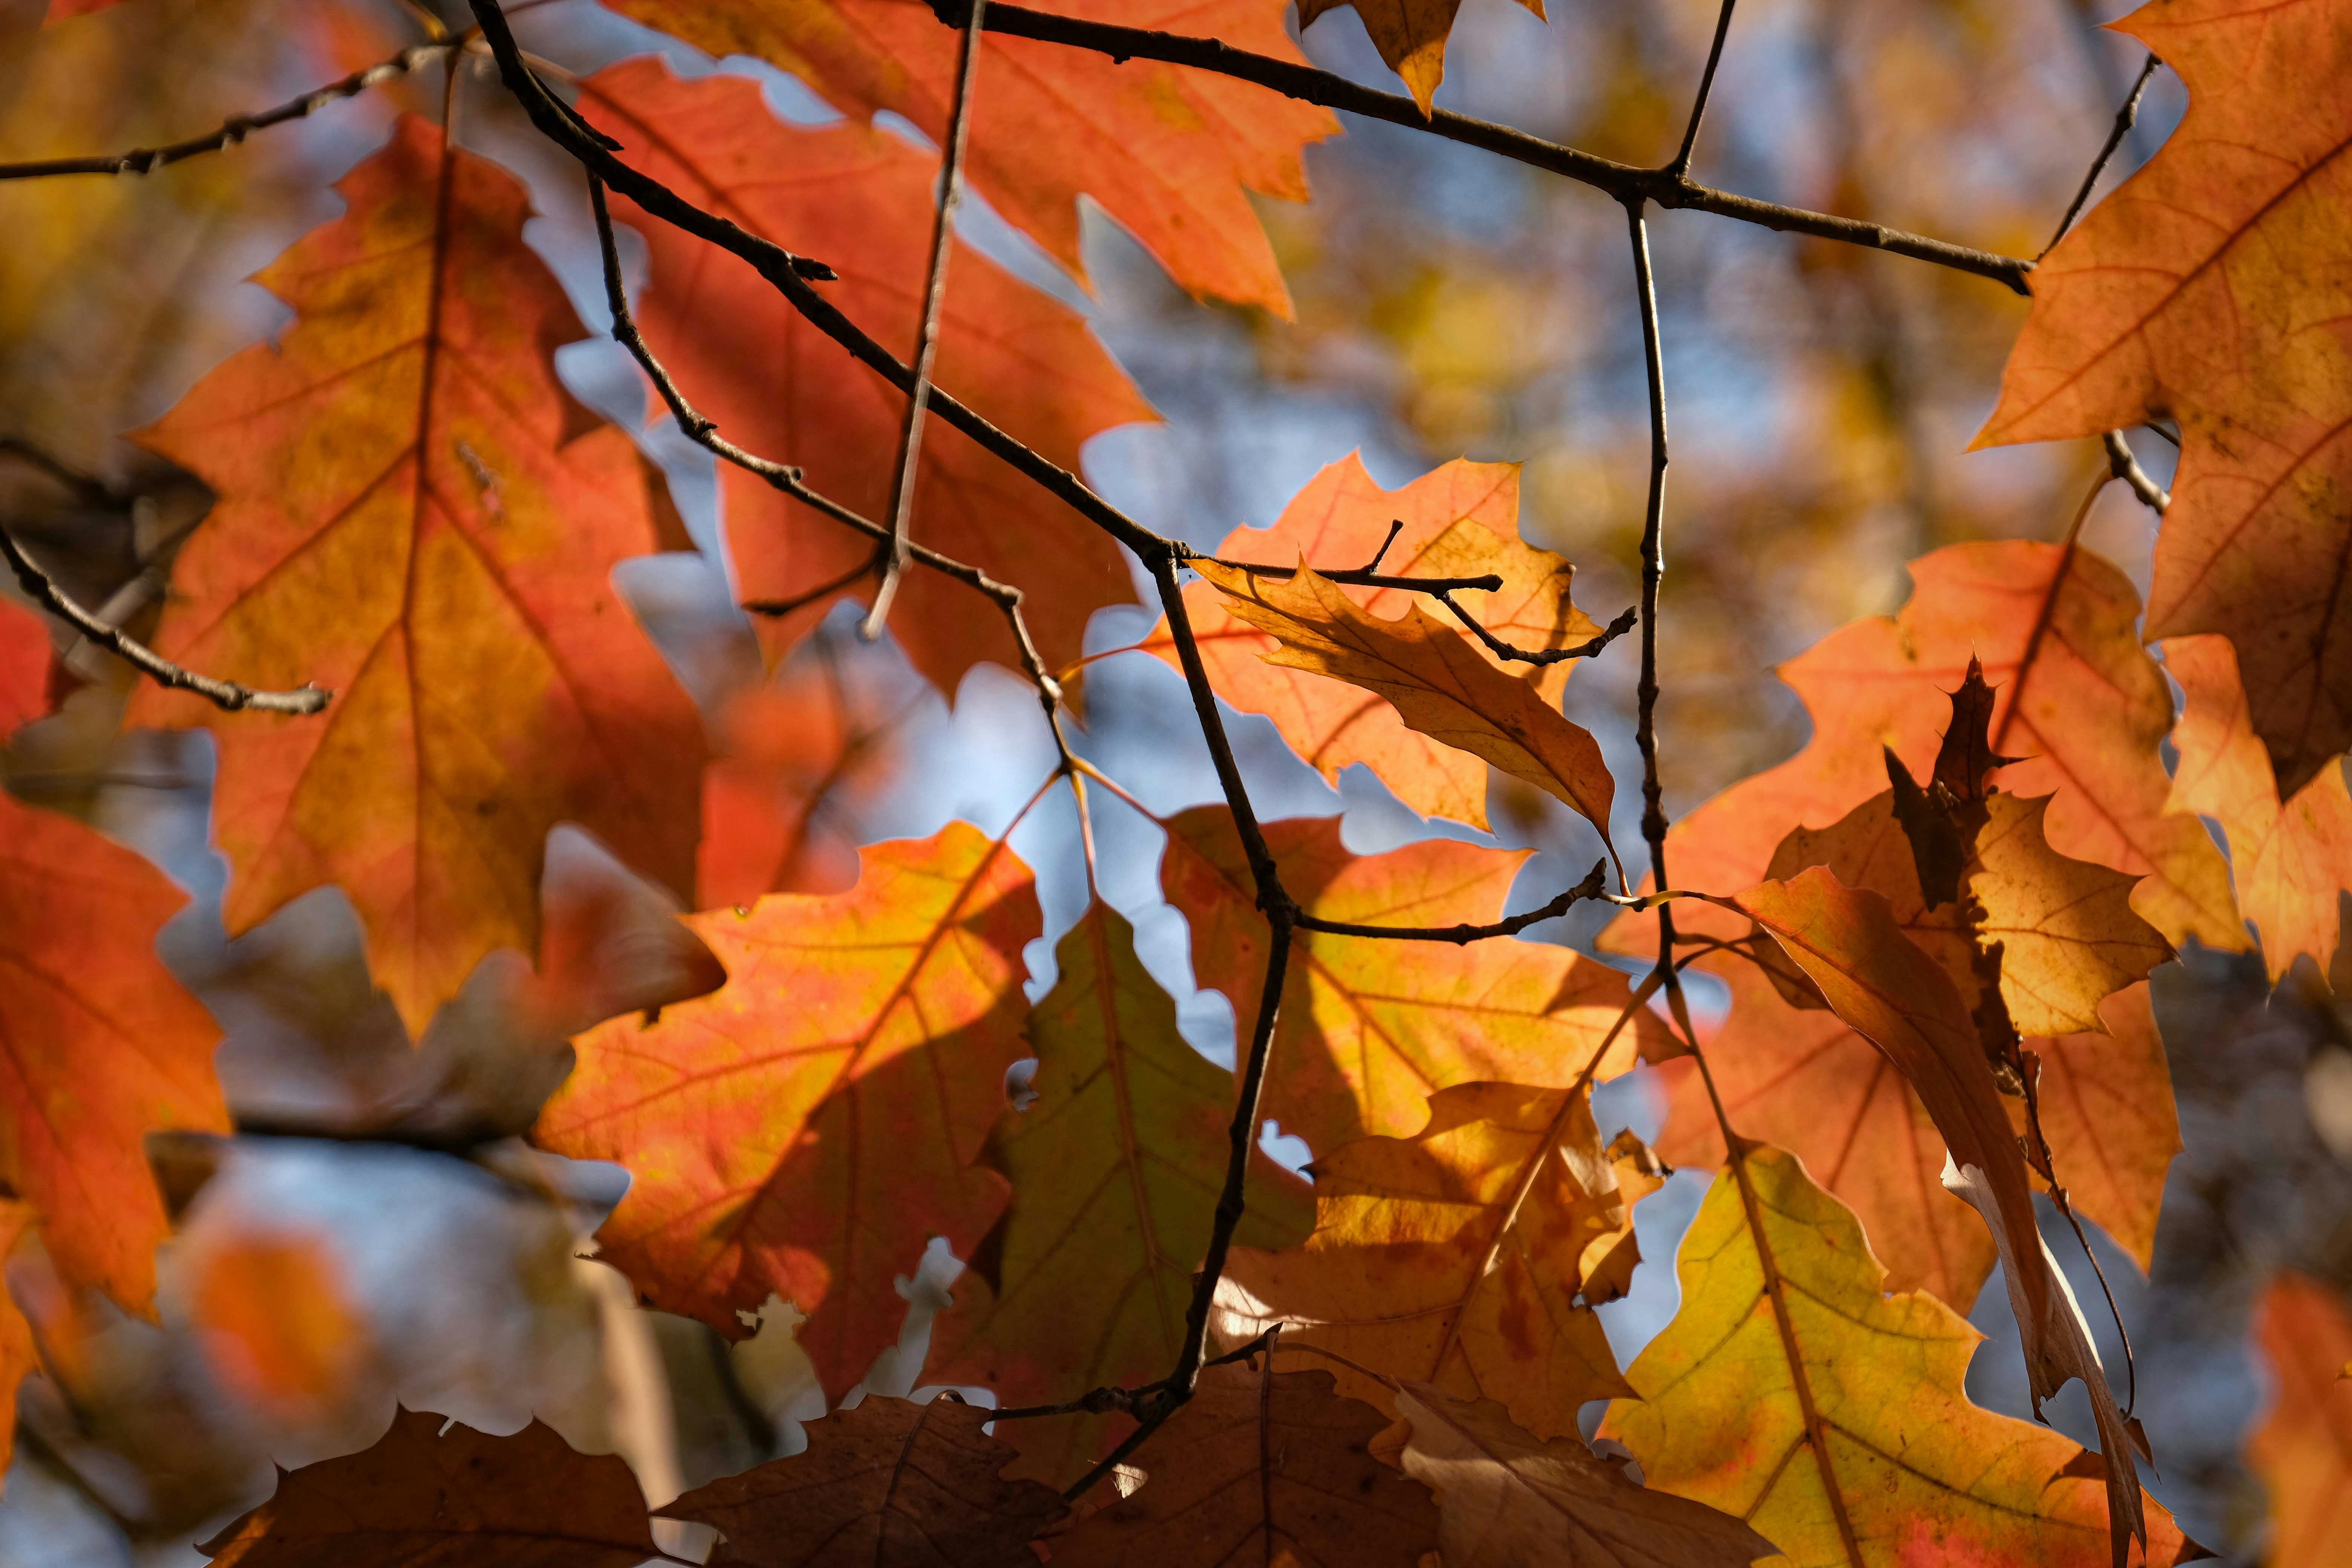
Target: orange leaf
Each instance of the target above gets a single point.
(861, 200)
(890, 1484)
(1367, 1030)
(1460, 520)
(1440, 682)
(1469, 1256)
(25, 663)
(1506, 1500)
(1170, 153)
(2303, 1449)
(415, 513)
(456, 1496)
(103, 1048)
(803, 1129)
(778, 803)
(271, 1315)
(1791, 1392)
(2290, 860)
(1261, 1467)
(2088, 720)
(2208, 289)
(18, 1352)
(1116, 1171)
(1900, 999)
(1410, 34)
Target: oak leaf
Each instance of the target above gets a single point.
(1440, 682)
(2290, 858)
(2303, 1449)
(1458, 521)
(431, 1489)
(1116, 1171)
(2069, 938)
(1791, 1393)
(1894, 995)
(276, 1325)
(889, 1484)
(102, 1046)
(2087, 719)
(1170, 153)
(1469, 1256)
(1367, 1030)
(2207, 291)
(1410, 34)
(1261, 1467)
(803, 1129)
(861, 201)
(1506, 1500)
(20, 1353)
(416, 514)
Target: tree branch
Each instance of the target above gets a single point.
(2126, 118)
(1681, 164)
(2124, 466)
(237, 128)
(1666, 187)
(1595, 885)
(227, 695)
(1588, 649)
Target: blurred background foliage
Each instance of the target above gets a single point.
(1448, 304)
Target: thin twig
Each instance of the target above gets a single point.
(1681, 165)
(1654, 562)
(1359, 576)
(1595, 885)
(236, 128)
(2126, 467)
(1666, 187)
(926, 331)
(1588, 649)
(228, 694)
(2126, 118)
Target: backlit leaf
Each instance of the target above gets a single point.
(1791, 1393)
(1468, 1256)
(1440, 682)
(25, 661)
(890, 1484)
(2303, 1449)
(803, 1129)
(1879, 982)
(1261, 1467)
(101, 1048)
(1459, 520)
(1115, 1172)
(432, 1490)
(1506, 1500)
(1367, 1030)
(861, 201)
(2206, 291)
(275, 1326)
(1410, 34)
(2289, 860)
(1170, 153)
(416, 514)
(18, 1352)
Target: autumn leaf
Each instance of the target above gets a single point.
(1261, 1467)
(779, 803)
(1410, 34)
(431, 1489)
(889, 1484)
(804, 1129)
(1439, 682)
(2206, 291)
(2088, 720)
(1170, 153)
(2069, 938)
(1889, 991)
(1507, 1500)
(1115, 1172)
(2290, 861)
(25, 662)
(62, 9)
(102, 1047)
(1469, 1256)
(1458, 521)
(274, 1324)
(1367, 1030)
(416, 514)
(2303, 1449)
(1791, 1393)
(18, 1352)
(861, 201)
